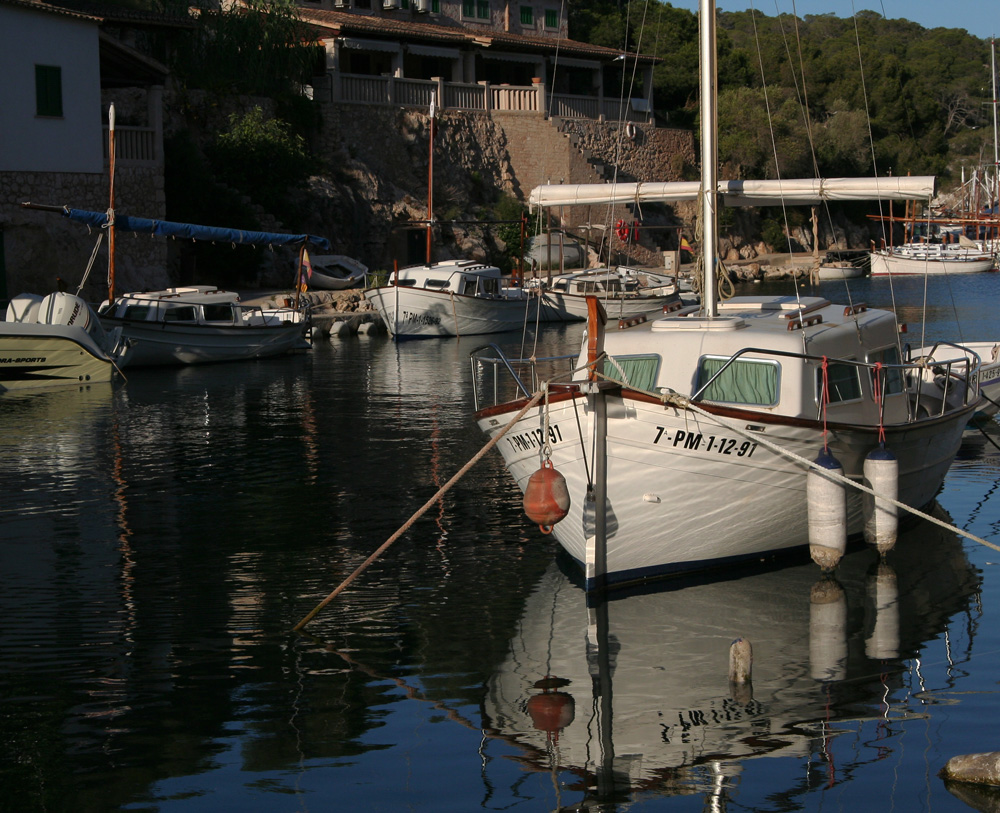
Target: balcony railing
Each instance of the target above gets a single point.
(481, 96)
(133, 145)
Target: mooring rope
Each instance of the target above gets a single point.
(420, 512)
(683, 402)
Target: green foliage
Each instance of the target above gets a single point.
(773, 234)
(262, 158)
(508, 208)
(882, 95)
(193, 196)
(256, 49)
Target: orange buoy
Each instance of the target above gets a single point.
(546, 498)
(551, 712)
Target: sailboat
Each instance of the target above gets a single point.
(697, 440)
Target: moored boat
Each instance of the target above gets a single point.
(451, 298)
(201, 324)
(335, 272)
(624, 292)
(690, 441)
(931, 258)
(55, 340)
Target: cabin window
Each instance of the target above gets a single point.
(891, 379)
(436, 283)
(138, 312)
(639, 372)
(844, 382)
(491, 287)
(219, 313)
(180, 313)
(406, 283)
(469, 286)
(745, 381)
(551, 18)
(527, 15)
(48, 90)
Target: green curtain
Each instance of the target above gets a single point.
(639, 371)
(743, 382)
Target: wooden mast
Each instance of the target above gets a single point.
(111, 205)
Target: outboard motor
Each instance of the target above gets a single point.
(23, 308)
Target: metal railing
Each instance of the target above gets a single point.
(472, 96)
(956, 378)
(491, 369)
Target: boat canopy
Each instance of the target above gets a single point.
(795, 191)
(189, 231)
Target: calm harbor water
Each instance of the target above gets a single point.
(159, 541)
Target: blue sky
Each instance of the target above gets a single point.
(979, 17)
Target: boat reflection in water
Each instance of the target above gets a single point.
(633, 696)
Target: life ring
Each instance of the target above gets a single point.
(630, 130)
(622, 230)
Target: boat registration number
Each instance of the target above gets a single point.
(709, 444)
(420, 318)
(525, 441)
(986, 376)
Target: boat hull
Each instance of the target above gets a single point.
(153, 344)
(422, 313)
(687, 494)
(885, 264)
(33, 356)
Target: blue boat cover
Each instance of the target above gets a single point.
(189, 231)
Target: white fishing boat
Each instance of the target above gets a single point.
(633, 695)
(694, 441)
(55, 340)
(931, 258)
(451, 298)
(336, 272)
(624, 293)
(201, 324)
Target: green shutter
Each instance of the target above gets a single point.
(468, 8)
(48, 90)
(551, 18)
(527, 15)
(483, 9)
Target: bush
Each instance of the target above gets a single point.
(262, 158)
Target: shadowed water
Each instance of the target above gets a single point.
(160, 540)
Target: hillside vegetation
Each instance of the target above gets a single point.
(840, 96)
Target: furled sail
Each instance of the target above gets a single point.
(796, 191)
(190, 231)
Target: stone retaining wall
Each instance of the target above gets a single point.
(39, 247)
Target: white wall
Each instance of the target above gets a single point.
(73, 142)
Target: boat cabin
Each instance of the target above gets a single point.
(461, 277)
(198, 304)
(684, 353)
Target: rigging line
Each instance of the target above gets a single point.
(774, 145)
(683, 402)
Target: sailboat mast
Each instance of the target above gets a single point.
(111, 204)
(995, 188)
(709, 155)
(430, 180)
